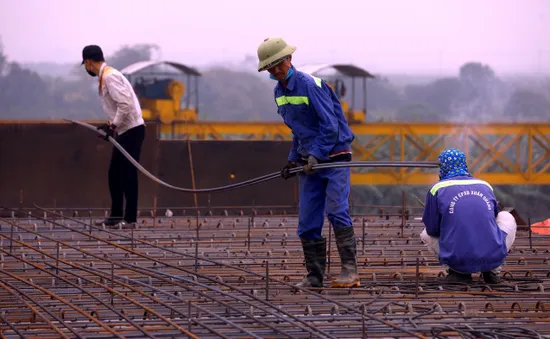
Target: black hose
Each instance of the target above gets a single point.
(422, 164)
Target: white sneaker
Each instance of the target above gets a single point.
(124, 225)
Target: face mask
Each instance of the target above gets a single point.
(288, 74)
(92, 74)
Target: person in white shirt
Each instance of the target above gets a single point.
(126, 125)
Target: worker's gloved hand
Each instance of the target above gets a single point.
(285, 171)
(108, 129)
(311, 161)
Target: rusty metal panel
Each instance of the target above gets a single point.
(214, 162)
(62, 164)
(59, 164)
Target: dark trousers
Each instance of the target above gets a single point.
(123, 176)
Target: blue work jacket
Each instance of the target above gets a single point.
(461, 212)
(311, 109)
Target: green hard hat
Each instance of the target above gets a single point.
(272, 51)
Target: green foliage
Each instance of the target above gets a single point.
(128, 55)
(527, 105)
(3, 58)
(229, 95)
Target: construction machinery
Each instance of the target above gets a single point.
(339, 77)
(167, 91)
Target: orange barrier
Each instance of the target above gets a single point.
(542, 227)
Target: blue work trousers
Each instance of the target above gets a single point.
(324, 190)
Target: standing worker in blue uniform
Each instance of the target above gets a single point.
(311, 109)
(464, 228)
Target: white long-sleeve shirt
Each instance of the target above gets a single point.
(119, 100)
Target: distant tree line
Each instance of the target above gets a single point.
(475, 94)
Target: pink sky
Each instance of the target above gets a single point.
(384, 36)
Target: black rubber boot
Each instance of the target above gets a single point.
(491, 278)
(315, 253)
(347, 248)
(454, 276)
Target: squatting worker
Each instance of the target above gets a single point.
(311, 109)
(126, 125)
(463, 225)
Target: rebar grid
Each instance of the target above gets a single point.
(232, 276)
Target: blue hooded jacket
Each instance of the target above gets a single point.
(311, 109)
(461, 211)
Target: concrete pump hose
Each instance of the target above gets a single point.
(421, 164)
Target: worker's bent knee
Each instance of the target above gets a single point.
(506, 222)
(430, 242)
(424, 236)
